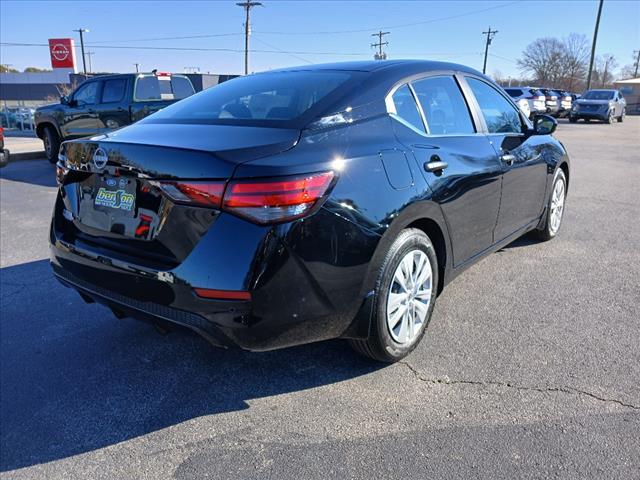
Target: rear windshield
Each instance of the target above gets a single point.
(514, 92)
(596, 95)
(268, 98)
(162, 87)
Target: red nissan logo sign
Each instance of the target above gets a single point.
(62, 53)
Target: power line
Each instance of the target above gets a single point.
(293, 55)
(391, 27)
(490, 33)
(189, 37)
(380, 55)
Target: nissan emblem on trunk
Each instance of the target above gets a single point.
(100, 158)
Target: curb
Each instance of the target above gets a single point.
(21, 156)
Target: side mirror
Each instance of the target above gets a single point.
(64, 100)
(544, 125)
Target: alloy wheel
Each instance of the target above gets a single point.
(557, 206)
(409, 297)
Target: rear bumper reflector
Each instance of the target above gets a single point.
(223, 294)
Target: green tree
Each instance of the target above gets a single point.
(36, 70)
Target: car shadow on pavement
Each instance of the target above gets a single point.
(74, 379)
(35, 172)
(524, 241)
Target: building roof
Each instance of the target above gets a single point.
(634, 81)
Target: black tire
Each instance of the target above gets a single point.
(610, 117)
(622, 115)
(547, 232)
(51, 141)
(380, 345)
(573, 119)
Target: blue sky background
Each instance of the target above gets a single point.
(292, 27)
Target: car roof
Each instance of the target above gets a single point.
(395, 66)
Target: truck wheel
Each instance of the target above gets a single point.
(51, 144)
(112, 123)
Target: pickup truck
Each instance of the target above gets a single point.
(104, 103)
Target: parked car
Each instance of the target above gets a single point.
(4, 153)
(304, 204)
(551, 101)
(533, 96)
(523, 105)
(605, 105)
(105, 103)
(565, 102)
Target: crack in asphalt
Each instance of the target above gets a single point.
(563, 389)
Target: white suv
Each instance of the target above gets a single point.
(534, 97)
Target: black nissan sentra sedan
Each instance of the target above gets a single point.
(305, 204)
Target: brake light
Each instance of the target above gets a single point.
(271, 200)
(203, 194)
(162, 74)
(276, 200)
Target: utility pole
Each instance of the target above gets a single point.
(84, 63)
(247, 5)
(380, 55)
(636, 52)
(490, 33)
(593, 45)
(89, 58)
(137, 65)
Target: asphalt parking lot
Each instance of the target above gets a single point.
(530, 367)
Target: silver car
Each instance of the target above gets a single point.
(533, 96)
(605, 105)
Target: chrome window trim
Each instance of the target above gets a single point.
(480, 128)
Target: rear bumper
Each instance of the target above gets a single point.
(298, 295)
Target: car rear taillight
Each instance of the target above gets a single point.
(1, 133)
(203, 194)
(276, 200)
(270, 200)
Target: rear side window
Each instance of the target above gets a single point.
(514, 92)
(444, 106)
(406, 107)
(255, 99)
(499, 115)
(113, 90)
(162, 87)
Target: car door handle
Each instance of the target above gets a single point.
(508, 158)
(435, 164)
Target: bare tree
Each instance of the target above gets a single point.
(576, 58)
(603, 70)
(544, 60)
(557, 63)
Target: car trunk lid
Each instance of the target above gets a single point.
(124, 191)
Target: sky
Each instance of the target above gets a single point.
(287, 33)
